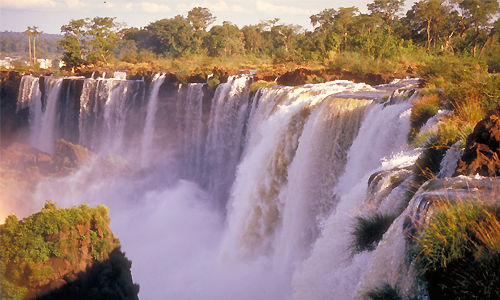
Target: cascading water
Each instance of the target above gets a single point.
(380, 145)
(44, 140)
(147, 138)
(28, 86)
(236, 197)
(225, 136)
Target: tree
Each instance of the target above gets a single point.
(200, 18)
(172, 37)
(88, 41)
(324, 19)
(102, 39)
(479, 14)
(73, 42)
(343, 21)
(225, 40)
(35, 34)
(29, 33)
(252, 38)
(285, 33)
(428, 14)
(387, 10)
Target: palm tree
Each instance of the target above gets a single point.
(29, 33)
(35, 33)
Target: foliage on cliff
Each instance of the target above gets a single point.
(459, 252)
(52, 247)
(467, 91)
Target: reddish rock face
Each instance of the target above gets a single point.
(302, 76)
(21, 156)
(482, 150)
(71, 156)
(297, 77)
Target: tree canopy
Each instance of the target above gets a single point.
(459, 26)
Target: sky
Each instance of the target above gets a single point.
(50, 15)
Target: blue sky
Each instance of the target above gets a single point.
(50, 15)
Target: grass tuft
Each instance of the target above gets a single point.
(424, 109)
(368, 231)
(458, 253)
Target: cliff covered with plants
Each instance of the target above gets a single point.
(64, 254)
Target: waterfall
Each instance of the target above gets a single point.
(28, 86)
(45, 127)
(277, 121)
(449, 164)
(189, 119)
(225, 136)
(262, 191)
(147, 139)
(380, 145)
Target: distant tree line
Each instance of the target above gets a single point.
(466, 27)
(16, 44)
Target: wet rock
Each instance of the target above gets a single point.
(294, 78)
(482, 149)
(196, 78)
(436, 192)
(220, 74)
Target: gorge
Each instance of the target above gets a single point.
(237, 195)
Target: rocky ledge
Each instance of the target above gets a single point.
(482, 149)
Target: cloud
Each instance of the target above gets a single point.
(75, 4)
(237, 8)
(154, 8)
(27, 4)
(127, 7)
(220, 6)
(271, 9)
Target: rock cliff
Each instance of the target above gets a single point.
(43, 253)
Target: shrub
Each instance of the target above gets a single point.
(461, 123)
(459, 252)
(368, 231)
(439, 71)
(260, 84)
(424, 109)
(360, 64)
(385, 292)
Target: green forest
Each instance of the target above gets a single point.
(16, 44)
(386, 39)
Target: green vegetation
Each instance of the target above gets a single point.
(423, 109)
(385, 292)
(88, 41)
(27, 245)
(259, 84)
(368, 231)
(459, 252)
(17, 44)
(440, 39)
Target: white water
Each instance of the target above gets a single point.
(450, 161)
(149, 128)
(331, 265)
(44, 139)
(225, 136)
(28, 86)
(293, 164)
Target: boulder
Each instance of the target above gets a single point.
(68, 155)
(296, 77)
(482, 149)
